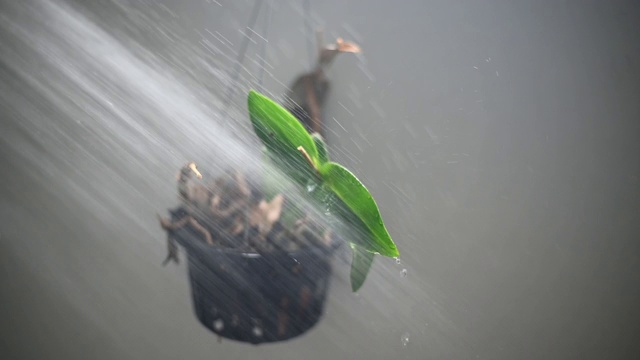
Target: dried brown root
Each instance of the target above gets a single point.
(265, 214)
(172, 248)
(243, 186)
(230, 196)
(309, 233)
(194, 169)
(196, 225)
(216, 209)
(199, 197)
(183, 179)
(327, 237)
(172, 252)
(237, 226)
(229, 213)
(347, 47)
(168, 225)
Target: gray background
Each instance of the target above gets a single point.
(500, 139)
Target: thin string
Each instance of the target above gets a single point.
(262, 56)
(263, 49)
(309, 33)
(240, 59)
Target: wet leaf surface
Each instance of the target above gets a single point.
(282, 134)
(358, 208)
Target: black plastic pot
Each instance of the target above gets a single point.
(252, 297)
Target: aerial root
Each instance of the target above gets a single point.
(196, 225)
(168, 225)
(172, 252)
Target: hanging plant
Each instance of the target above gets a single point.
(258, 259)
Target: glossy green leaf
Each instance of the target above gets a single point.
(321, 146)
(360, 266)
(282, 134)
(332, 186)
(359, 209)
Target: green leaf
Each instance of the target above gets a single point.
(323, 155)
(360, 266)
(359, 209)
(282, 134)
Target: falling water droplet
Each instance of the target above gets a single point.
(405, 339)
(403, 273)
(218, 325)
(311, 187)
(257, 331)
(397, 260)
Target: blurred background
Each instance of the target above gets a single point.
(499, 138)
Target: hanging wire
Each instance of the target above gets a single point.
(230, 90)
(263, 48)
(240, 59)
(309, 32)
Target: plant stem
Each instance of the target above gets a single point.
(308, 158)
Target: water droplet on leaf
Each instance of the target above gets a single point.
(311, 187)
(218, 325)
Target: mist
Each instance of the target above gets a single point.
(499, 139)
